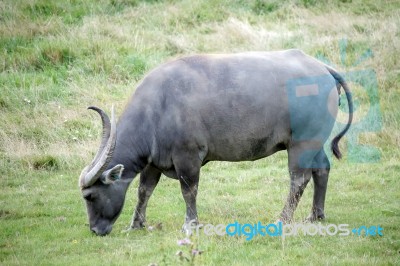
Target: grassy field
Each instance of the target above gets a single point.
(58, 57)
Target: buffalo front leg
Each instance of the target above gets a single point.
(320, 173)
(148, 181)
(188, 175)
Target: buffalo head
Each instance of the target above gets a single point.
(101, 187)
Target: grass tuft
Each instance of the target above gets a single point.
(43, 162)
(262, 7)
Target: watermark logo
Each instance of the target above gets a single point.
(310, 97)
(249, 231)
(368, 118)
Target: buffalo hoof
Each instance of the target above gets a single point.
(135, 226)
(190, 227)
(284, 219)
(280, 221)
(130, 229)
(138, 225)
(315, 217)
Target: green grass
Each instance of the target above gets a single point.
(58, 57)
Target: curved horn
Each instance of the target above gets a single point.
(106, 132)
(93, 171)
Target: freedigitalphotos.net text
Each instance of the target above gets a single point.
(282, 230)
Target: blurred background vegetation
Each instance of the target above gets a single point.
(58, 57)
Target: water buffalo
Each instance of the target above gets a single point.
(216, 107)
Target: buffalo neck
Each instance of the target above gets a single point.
(133, 141)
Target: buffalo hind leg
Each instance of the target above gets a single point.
(300, 161)
(320, 173)
(148, 181)
(298, 181)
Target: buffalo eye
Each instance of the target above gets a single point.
(88, 197)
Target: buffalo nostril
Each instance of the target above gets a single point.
(99, 232)
(94, 230)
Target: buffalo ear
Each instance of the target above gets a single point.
(113, 174)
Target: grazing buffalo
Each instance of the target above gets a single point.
(222, 107)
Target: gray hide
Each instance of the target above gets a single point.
(230, 107)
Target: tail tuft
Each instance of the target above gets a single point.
(335, 147)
